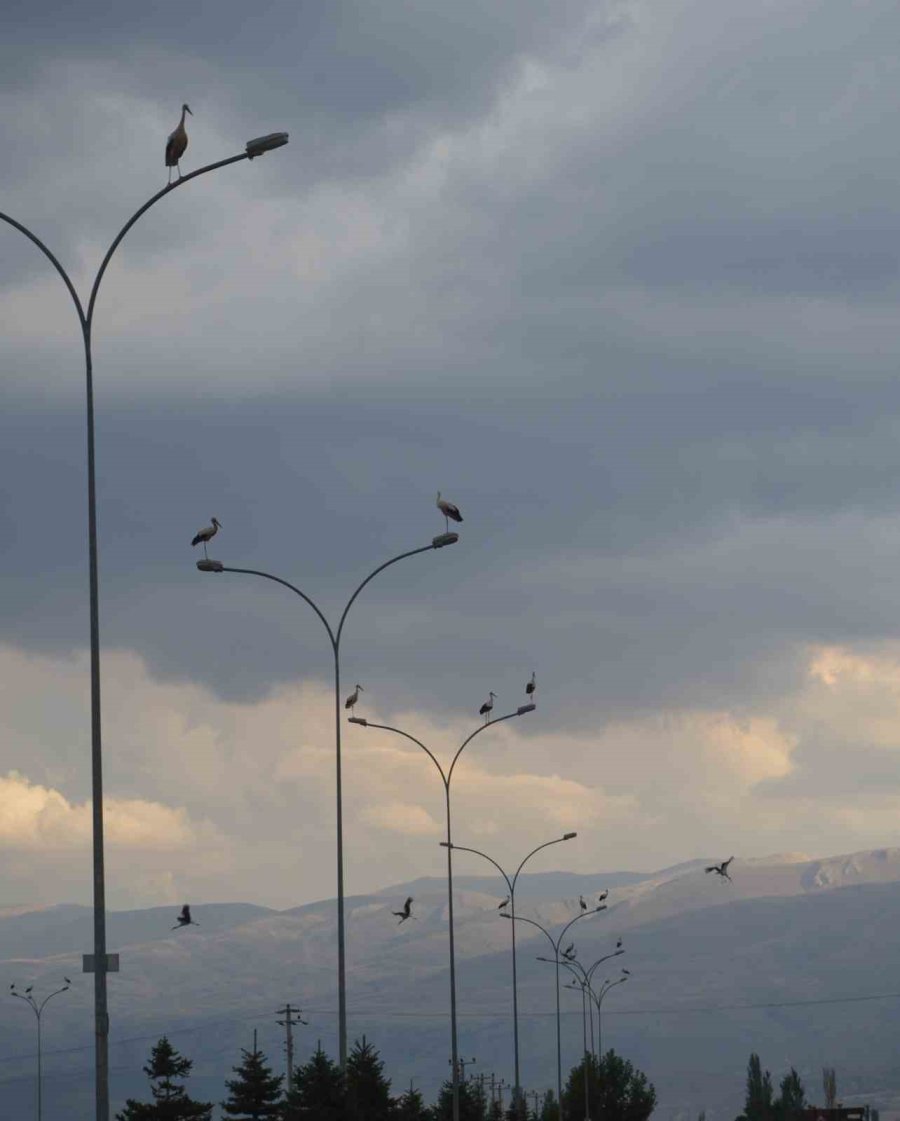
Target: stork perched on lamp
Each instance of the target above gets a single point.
(487, 708)
(450, 512)
(530, 687)
(177, 144)
(354, 697)
(206, 535)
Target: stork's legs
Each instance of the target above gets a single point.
(205, 554)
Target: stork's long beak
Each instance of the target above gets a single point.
(189, 110)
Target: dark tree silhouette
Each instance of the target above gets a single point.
(255, 1095)
(758, 1105)
(319, 1091)
(792, 1099)
(549, 1107)
(368, 1090)
(618, 1092)
(170, 1102)
(471, 1102)
(410, 1106)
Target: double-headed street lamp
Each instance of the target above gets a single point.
(446, 778)
(511, 885)
(556, 943)
(598, 1000)
(100, 964)
(37, 1009)
(334, 636)
(585, 976)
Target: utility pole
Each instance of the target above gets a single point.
(288, 1023)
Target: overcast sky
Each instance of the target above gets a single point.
(620, 279)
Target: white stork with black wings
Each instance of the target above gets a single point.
(487, 708)
(184, 919)
(450, 512)
(406, 913)
(207, 534)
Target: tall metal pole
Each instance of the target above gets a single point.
(446, 778)
(511, 882)
(555, 944)
(86, 320)
(334, 637)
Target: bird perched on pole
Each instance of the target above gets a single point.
(569, 952)
(602, 895)
(449, 511)
(722, 869)
(487, 708)
(354, 697)
(184, 919)
(207, 534)
(530, 687)
(582, 902)
(406, 913)
(176, 144)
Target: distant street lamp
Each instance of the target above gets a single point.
(37, 1009)
(598, 1000)
(556, 960)
(511, 885)
(446, 777)
(101, 964)
(585, 976)
(334, 637)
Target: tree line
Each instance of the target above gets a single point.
(321, 1091)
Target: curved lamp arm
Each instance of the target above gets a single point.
(398, 731)
(531, 922)
(522, 710)
(546, 844)
(284, 583)
(56, 992)
(462, 848)
(599, 961)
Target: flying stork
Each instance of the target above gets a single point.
(487, 708)
(505, 903)
(406, 913)
(176, 144)
(449, 511)
(184, 919)
(207, 534)
(582, 902)
(354, 697)
(530, 687)
(721, 869)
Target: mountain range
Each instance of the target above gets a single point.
(795, 958)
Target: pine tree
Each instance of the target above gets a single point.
(319, 1091)
(411, 1107)
(170, 1099)
(829, 1085)
(255, 1095)
(471, 1102)
(368, 1091)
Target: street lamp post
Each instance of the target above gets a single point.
(511, 885)
(577, 983)
(556, 960)
(100, 964)
(37, 1009)
(585, 976)
(334, 637)
(446, 778)
(598, 1000)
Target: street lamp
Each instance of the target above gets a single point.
(577, 983)
(446, 777)
(598, 1000)
(555, 959)
(585, 976)
(37, 1009)
(334, 637)
(511, 885)
(99, 964)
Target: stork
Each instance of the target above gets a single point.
(176, 144)
(184, 919)
(406, 913)
(207, 534)
(582, 902)
(619, 944)
(449, 511)
(487, 708)
(602, 895)
(505, 903)
(530, 687)
(569, 952)
(722, 869)
(354, 697)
